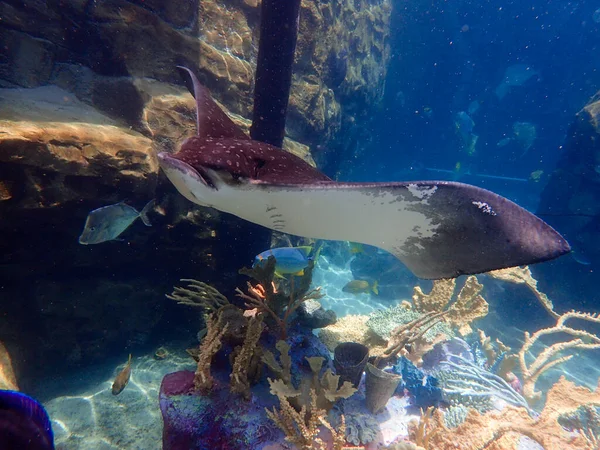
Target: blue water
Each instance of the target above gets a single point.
(480, 92)
(446, 56)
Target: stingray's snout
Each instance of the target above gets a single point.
(164, 159)
(179, 171)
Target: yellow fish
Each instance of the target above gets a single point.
(122, 379)
(361, 286)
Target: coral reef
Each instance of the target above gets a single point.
(409, 339)
(549, 357)
(301, 428)
(276, 304)
(468, 306)
(327, 387)
(211, 344)
(465, 383)
(424, 389)
(361, 429)
(352, 328)
(198, 294)
(382, 323)
(247, 362)
(499, 429)
(8, 380)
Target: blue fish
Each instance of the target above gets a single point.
(107, 223)
(288, 260)
(24, 423)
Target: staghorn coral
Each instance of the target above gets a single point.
(499, 361)
(211, 344)
(549, 357)
(408, 338)
(500, 430)
(422, 432)
(468, 307)
(522, 275)
(265, 298)
(302, 427)
(383, 323)
(245, 365)
(198, 294)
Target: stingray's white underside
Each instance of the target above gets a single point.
(335, 212)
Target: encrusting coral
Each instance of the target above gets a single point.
(500, 430)
(352, 328)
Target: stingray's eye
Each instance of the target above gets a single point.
(92, 228)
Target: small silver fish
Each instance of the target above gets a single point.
(107, 223)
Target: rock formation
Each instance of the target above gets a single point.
(571, 203)
(89, 94)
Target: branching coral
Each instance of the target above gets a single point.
(246, 362)
(498, 430)
(423, 431)
(203, 380)
(326, 387)
(437, 299)
(301, 428)
(7, 374)
(411, 334)
(198, 294)
(499, 361)
(548, 358)
(282, 370)
(266, 299)
(468, 307)
(522, 275)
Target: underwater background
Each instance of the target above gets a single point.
(499, 94)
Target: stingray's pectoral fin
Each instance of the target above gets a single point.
(475, 231)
